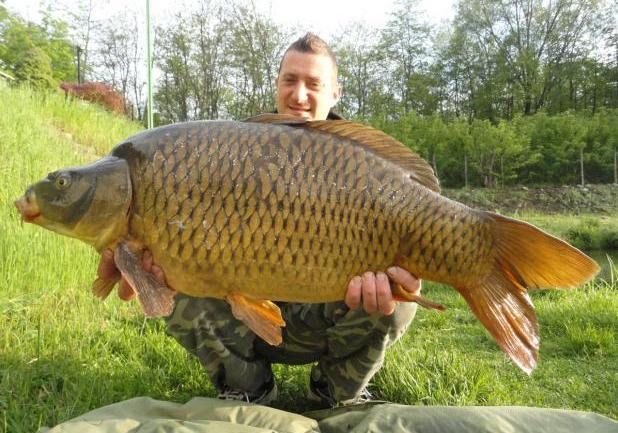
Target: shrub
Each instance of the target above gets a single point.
(609, 240)
(98, 93)
(35, 69)
(581, 237)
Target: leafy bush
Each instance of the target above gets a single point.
(99, 93)
(609, 240)
(35, 69)
(580, 237)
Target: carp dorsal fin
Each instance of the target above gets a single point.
(278, 119)
(377, 141)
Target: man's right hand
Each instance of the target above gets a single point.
(107, 270)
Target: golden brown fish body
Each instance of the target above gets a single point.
(289, 214)
(281, 209)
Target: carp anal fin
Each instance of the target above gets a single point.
(156, 298)
(375, 140)
(402, 295)
(261, 316)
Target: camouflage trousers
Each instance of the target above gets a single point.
(348, 345)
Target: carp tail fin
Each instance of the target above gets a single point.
(505, 309)
(537, 259)
(526, 257)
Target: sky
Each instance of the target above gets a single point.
(324, 17)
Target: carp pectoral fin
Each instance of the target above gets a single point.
(156, 298)
(102, 287)
(400, 294)
(261, 316)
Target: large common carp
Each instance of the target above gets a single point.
(279, 209)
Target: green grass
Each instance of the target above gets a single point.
(588, 232)
(63, 352)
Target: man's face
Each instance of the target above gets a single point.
(307, 85)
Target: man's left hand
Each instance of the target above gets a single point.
(373, 291)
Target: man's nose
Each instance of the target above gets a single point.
(300, 93)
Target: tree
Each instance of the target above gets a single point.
(174, 49)
(119, 55)
(35, 68)
(209, 61)
(20, 38)
(82, 27)
(359, 62)
(532, 37)
(404, 46)
(255, 45)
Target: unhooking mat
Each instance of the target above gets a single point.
(207, 415)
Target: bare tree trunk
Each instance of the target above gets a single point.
(466, 168)
(615, 166)
(581, 164)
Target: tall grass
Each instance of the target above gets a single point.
(63, 352)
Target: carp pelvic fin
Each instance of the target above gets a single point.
(102, 287)
(261, 316)
(402, 295)
(156, 298)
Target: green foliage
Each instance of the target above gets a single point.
(39, 54)
(535, 149)
(609, 240)
(581, 237)
(34, 68)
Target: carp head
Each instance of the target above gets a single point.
(90, 203)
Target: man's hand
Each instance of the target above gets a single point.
(374, 290)
(108, 270)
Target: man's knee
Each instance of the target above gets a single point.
(397, 323)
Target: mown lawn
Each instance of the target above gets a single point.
(63, 352)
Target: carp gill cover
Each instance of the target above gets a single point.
(276, 208)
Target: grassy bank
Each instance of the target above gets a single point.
(62, 352)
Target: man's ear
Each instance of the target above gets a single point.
(337, 92)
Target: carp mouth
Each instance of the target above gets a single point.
(28, 207)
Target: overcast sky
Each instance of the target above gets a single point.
(322, 16)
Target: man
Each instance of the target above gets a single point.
(346, 342)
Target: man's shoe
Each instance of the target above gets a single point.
(319, 391)
(264, 397)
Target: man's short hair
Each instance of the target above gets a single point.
(312, 43)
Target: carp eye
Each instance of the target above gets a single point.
(63, 181)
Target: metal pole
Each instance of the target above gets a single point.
(149, 56)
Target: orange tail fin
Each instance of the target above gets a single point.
(527, 257)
